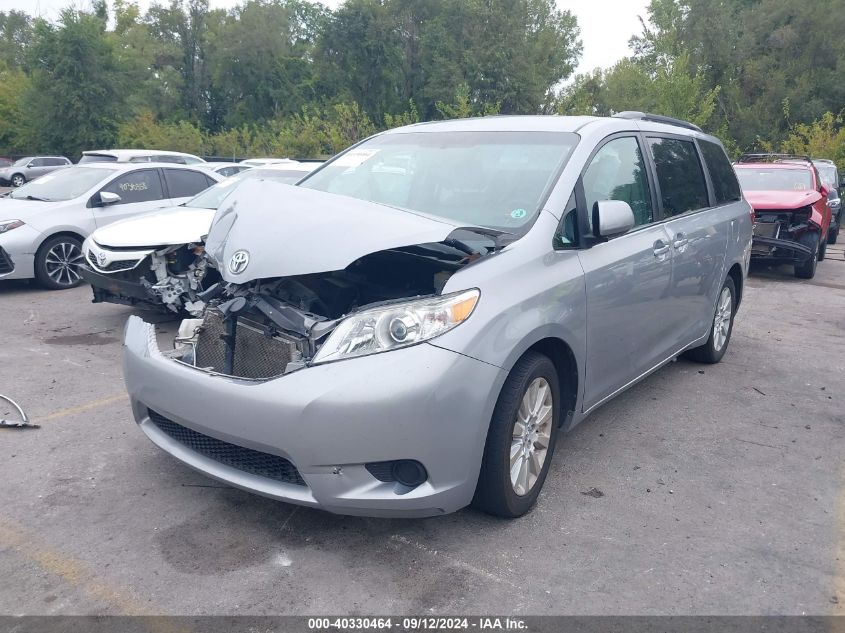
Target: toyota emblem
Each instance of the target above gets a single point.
(238, 262)
(101, 259)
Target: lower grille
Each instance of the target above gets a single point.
(257, 354)
(6, 263)
(243, 459)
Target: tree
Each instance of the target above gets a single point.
(74, 102)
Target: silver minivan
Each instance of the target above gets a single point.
(414, 326)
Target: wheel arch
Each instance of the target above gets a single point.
(65, 233)
(735, 273)
(563, 356)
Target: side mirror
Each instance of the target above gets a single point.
(30, 164)
(612, 218)
(107, 198)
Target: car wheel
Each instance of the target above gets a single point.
(807, 269)
(57, 263)
(721, 329)
(833, 235)
(18, 180)
(521, 439)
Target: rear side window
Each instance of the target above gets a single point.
(617, 172)
(725, 184)
(184, 182)
(143, 185)
(679, 174)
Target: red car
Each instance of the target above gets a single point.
(792, 216)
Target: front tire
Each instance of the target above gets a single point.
(833, 235)
(57, 263)
(521, 439)
(18, 180)
(721, 329)
(807, 269)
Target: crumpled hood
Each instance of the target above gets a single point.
(287, 230)
(165, 227)
(781, 199)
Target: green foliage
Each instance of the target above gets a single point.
(144, 132)
(14, 85)
(463, 106)
(823, 137)
(291, 77)
(74, 100)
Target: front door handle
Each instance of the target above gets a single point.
(661, 248)
(680, 241)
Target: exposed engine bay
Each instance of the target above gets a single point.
(269, 327)
(777, 233)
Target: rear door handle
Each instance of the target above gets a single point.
(680, 241)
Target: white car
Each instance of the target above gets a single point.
(139, 156)
(155, 261)
(226, 169)
(264, 162)
(44, 222)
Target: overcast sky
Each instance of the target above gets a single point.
(606, 25)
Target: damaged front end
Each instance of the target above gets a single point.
(382, 301)
(778, 232)
(169, 278)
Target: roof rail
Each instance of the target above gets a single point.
(768, 157)
(656, 118)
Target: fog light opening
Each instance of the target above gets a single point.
(409, 472)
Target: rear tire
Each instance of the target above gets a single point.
(525, 419)
(720, 329)
(823, 249)
(57, 262)
(807, 269)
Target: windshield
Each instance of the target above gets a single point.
(62, 184)
(492, 179)
(775, 179)
(213, 197)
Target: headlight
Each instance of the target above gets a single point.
(8, 225)
(399, 325)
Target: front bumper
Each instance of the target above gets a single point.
(777, 249)
(422, 403)
(113, 289)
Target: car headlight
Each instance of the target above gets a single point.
(397, 325)
(8, 225)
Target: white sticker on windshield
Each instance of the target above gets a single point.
(355, 157)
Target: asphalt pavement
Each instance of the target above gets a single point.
(702, 490)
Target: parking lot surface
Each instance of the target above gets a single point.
(702, 490)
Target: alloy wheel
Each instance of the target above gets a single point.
(531, 436)
(722, 320)
(62, 263)
(18, 181)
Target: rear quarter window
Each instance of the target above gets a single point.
(679, 174)
(722, 174)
